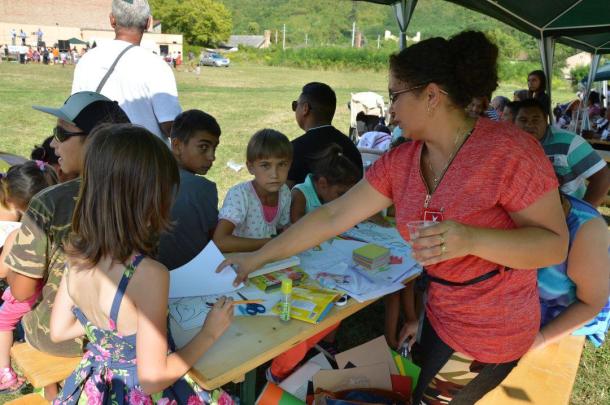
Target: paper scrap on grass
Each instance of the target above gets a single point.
(6, 227)
(198, 277)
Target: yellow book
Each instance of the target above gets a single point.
(310, 304)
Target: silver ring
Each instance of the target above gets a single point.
(442, 236)
(443, 248)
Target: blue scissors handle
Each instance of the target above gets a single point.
(254, 309)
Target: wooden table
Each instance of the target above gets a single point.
(598, 142)
(544, 376)
(252, 341)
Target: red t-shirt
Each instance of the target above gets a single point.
(498, 170)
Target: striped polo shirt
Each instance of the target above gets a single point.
(573, 159)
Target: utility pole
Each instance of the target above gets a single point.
(378, 41)
(284, 38)
(306, 39)
(353, 33)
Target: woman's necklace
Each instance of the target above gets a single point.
(460, 138)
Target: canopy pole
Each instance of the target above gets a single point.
(584, 108)
(404, 11)
(546, 44)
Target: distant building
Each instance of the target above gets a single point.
(66, 19)
(253, 41)
(580, 59)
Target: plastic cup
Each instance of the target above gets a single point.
(415, 226)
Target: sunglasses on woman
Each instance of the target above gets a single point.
(61, 135)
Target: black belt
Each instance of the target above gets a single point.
(426, 278)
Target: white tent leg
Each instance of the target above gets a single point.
(547, 51)
(404, 11)
(585, 100)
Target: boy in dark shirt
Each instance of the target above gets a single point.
(195, 136)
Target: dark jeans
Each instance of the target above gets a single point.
(435, 353)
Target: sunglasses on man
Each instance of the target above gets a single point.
(61, 135)
(295, 104)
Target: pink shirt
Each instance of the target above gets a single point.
(269, 212)
(498, 170)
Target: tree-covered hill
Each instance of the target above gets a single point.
(330, 21)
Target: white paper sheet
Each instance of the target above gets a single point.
(198, 277)
(334, 262)
(296, 383)
(274, 266)
(6, 227)
(190, 312)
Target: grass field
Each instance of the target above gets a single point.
(244, 99)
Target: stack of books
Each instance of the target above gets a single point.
(271, 281)
(371, 256)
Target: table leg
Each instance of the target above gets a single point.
(247, 394)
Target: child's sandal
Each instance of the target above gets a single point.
(10, 382)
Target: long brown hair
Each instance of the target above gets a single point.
(128, 181)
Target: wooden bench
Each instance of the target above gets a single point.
(544, 376)
(42, 369)
(30, 399)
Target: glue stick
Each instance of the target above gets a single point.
(286, 301)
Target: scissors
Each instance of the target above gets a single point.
(251, 309)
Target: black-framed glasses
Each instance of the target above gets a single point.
(61, 135)
(393, 95)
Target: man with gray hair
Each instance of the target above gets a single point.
(140, 81)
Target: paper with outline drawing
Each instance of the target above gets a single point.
(190, 312)
(198, 277)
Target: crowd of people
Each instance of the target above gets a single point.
(117, 196)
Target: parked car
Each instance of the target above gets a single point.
(214, 59)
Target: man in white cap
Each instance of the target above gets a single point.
(141, 82)
(37, 257)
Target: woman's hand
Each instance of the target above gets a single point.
(219, 318)
(243, 264)
(443, 241)
(408, 333)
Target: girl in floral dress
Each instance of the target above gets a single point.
(114, 293)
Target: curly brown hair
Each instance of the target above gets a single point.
(465, 65)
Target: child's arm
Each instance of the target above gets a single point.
(64, 325)
(297, 205)
(588, 268)
(227, 242)
(409, 330)
(392, 315)
(8, 244)
(156, 369)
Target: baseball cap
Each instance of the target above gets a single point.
(86, 110)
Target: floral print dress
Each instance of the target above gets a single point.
(107, 374)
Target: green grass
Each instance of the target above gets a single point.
(245, 98)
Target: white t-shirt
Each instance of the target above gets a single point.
(244, 209)
(142, 83)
